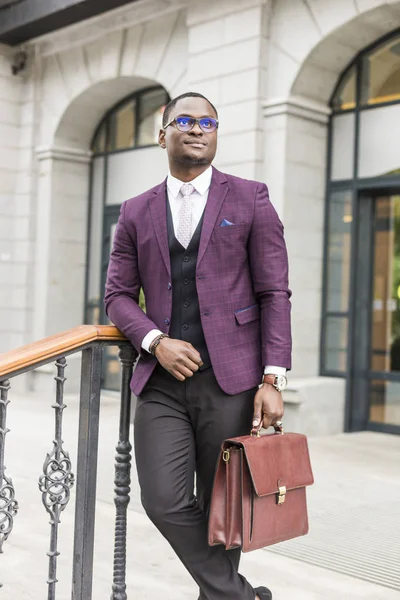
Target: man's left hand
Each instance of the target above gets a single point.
(268, 407)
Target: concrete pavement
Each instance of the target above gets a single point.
(350, 553)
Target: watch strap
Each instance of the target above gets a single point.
(269, 378)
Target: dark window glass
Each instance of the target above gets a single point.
(336, 342)
(122, 127)
(345, 97)
(152, 106)
(381, 74)
(339, 251)
(384, 402)
(99, 144)
(385, 322)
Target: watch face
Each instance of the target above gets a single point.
(281, 382)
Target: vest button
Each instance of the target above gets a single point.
(185, 259)
(186, 281)
(186, 304)
(185, 326)
(167, 321)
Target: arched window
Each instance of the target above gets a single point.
(126, 161)
(361, 307)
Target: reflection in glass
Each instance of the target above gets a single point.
(123, 127)
(339, 251)
(385, 334)
(381, 74)
(345, 97)
(384, 398)
(379, 148)
(336, 343)
(152, 107)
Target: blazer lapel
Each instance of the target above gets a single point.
(218, 190)
(158, 209)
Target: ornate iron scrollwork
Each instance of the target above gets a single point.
(57, 479)
(8, 503)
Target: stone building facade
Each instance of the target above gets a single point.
(272, 67)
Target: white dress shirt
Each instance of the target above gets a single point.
(198, 199)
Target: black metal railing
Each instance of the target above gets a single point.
(57, 479)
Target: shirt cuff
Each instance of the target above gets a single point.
(274, 370)
(151, 336)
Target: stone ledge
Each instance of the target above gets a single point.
(315, 405)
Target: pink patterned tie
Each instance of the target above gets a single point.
(184, 233)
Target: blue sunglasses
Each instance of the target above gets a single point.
(184, 124)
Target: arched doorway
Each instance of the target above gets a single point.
(126, 161)
(361, 298)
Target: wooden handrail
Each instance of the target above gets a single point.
(56, 345)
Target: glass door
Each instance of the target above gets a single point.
(377, 314)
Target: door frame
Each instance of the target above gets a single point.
(358, 403)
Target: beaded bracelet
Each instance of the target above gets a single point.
(155, 343)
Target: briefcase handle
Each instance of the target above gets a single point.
(278, 426)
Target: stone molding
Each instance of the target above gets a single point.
(116, 20)
(298, 106)
(67, 154)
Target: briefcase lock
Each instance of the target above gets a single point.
(226, 456)
(281, 496)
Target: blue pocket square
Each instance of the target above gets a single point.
(225, 223)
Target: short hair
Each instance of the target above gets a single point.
(173, 102)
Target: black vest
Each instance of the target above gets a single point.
(185, 318)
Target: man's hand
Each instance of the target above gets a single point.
(268, 407)
(179, 358)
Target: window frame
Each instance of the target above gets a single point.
(106, 123)
(356, 185)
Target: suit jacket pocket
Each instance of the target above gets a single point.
(248, 314)
(231, 229)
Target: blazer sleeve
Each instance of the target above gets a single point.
(269, 269)
(123, 287)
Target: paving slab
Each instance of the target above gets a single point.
(357, 480)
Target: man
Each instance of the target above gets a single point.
(209, 252)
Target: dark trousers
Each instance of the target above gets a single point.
(179, 428)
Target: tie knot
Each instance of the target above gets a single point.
(187, 189)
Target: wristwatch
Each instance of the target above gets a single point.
(278, 381)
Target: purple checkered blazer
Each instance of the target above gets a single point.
(241, 279)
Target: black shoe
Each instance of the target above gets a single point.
(263, 593)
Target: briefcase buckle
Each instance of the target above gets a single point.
(226, 456)
(281, 497)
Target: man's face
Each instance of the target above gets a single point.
(194, 147)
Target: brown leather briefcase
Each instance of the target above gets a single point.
(259, 494)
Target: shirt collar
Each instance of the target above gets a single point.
(201, 183)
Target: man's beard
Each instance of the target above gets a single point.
(192, 161)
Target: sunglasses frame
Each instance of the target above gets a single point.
(195, 121)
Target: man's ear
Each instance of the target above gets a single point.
(161, 139)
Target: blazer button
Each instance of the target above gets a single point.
(169, 286)
(167, 321)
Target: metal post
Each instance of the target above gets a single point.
(57, 479)
(122, 476)
(89, 411)
(8, 503)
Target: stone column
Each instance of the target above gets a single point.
(61, 226)
(295, 169)
(14, 225)
(227, 41)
